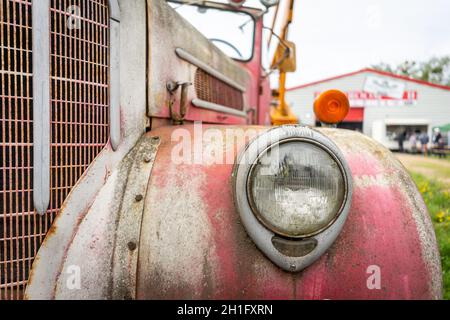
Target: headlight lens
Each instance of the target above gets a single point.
(296, 188)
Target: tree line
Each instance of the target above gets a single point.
(435, 70)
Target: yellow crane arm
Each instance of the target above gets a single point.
(284, 61)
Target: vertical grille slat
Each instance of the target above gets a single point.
(211, 89)
(79, 122)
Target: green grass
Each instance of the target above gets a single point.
(447, 158)
(441, 170)
(437, 200)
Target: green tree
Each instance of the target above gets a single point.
(435, 70)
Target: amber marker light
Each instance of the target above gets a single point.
(331, 107)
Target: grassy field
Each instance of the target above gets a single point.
(432, 176)
(439, 158)
(437, 199)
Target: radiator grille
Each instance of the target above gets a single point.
(79, 122)
(79, 92)
(211, 89)
(21, 231)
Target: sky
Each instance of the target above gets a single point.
(335, 37)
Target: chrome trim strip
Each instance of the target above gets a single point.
(217, 107)
(196, 62)
(114, 85)
(41, 104)
(114, 10)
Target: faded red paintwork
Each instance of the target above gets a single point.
(385, 228)
(192, 244)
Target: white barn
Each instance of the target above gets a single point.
(383, 105)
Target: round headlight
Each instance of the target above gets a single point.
(292, 188)
(296, 188)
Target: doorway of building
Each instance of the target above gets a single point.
(356, 126)
(404, 132)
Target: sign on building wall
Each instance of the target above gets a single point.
(360, 98)
(384, 87)
(381, 92)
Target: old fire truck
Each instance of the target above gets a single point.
(138, 161)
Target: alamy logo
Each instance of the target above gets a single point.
(73, 281)
(374, 279)
(74, 20)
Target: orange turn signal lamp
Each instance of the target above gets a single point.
(331, 107)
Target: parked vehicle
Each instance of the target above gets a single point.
(111, 188)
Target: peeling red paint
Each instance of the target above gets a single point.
(193, 244)
(361, 165)
(221, 220)
(380, 230)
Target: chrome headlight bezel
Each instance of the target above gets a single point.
(258, 229)
(252, 201)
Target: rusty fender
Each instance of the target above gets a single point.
(161, 229)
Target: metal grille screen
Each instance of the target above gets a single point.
(79, 120)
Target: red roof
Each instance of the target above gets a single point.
(374, 71)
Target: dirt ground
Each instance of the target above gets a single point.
(438, 169)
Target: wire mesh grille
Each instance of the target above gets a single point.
(79, 121)
(79, 91)
(211, 89)
(20, 230)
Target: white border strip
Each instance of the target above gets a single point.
(41, 104)
(196, 62)
(217, 107)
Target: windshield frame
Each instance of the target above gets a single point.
(252, 13)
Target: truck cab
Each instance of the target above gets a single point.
(227, 41)
(157, 173)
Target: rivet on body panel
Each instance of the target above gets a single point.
(148, 159)
(132, 245)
